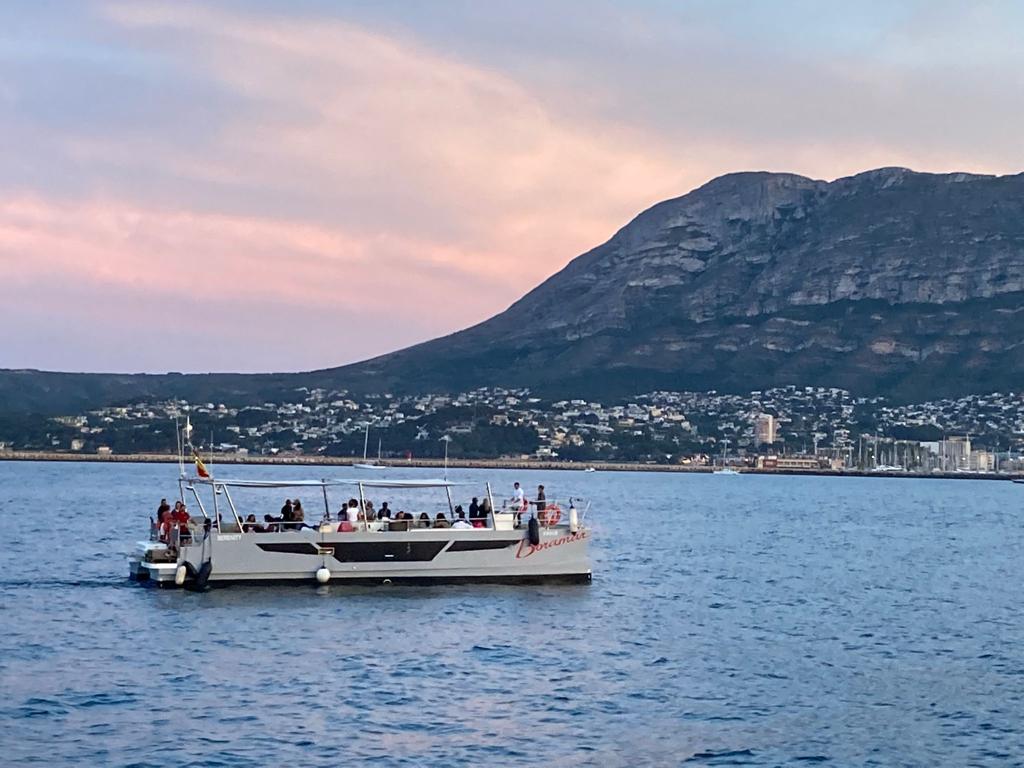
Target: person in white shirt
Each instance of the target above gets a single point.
(517, 495)
(353, 511)
(518, 503)
(461, 523)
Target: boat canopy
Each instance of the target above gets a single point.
(325, 483)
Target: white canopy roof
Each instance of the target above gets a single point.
(326, 483)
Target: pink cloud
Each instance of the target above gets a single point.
(364, 171)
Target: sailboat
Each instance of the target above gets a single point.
(366, 464)
(724, 469)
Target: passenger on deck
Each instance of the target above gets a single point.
(369, 511)
(298, 516)
(286, 515)
(518, 503)
(164, 507)
(542, 500)
(250, 526)
(485, 508)
(163, 528)
(423, 521)
(461, 522)
(181, 519)
(271, 525)
(401, 521)
(161, 514)
(517, 495)
(474, 509)
(441, 521)
(384, 511)
(353, 511)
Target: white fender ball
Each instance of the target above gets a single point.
(323, 575)
(179, 575)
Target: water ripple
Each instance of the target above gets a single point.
(751, 621)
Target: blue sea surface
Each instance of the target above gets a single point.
(748, 620)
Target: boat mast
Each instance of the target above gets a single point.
(366, 441)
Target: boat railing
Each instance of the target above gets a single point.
(175, 537)
(510, 515)
(555, 514)
(544, 507)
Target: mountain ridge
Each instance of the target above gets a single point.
(888, 282)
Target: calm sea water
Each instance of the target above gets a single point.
(731, 621)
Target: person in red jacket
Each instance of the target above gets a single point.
(181, 518)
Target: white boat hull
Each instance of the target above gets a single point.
(380, 557)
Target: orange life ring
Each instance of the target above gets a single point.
(551, 515)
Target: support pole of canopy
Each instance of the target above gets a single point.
(490, 503)
(199, 500)
(327, 506)
(231, 503)
(362, 508)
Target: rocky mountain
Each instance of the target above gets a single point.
(891, 282)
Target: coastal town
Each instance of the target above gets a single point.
(787, 428)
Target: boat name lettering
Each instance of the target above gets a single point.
(526, 548)
(230, 537)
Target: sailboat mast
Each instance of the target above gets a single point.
(366, 440)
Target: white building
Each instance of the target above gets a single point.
(764, 429)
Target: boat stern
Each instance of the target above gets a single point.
(153, 562)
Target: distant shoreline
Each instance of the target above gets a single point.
(524, 464)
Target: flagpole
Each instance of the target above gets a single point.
(180, 445)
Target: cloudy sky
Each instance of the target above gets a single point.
(299, 184)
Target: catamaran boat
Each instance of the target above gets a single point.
(514, 543)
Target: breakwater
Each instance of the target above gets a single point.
(507, 463)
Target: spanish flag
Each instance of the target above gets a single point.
(200, 467)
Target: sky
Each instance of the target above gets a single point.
(298, 184)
